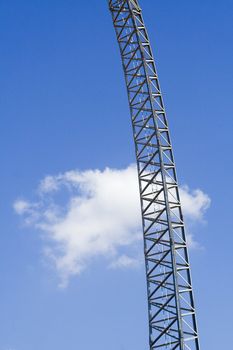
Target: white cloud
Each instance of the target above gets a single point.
(124, 261)
(21, 206)
(48, 184)
(85, 215)
(195, 203)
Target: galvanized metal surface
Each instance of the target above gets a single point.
(172, 321)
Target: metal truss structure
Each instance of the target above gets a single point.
(172, 321)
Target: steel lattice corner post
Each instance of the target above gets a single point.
(172, 320)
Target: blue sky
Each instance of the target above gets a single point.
(63, 112)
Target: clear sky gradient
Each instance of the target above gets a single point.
(63, 106)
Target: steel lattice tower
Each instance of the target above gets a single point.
(172, 321)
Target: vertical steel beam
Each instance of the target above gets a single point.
(172, 320)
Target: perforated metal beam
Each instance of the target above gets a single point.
(172, 321)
